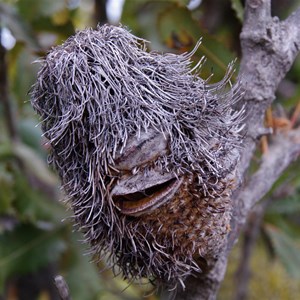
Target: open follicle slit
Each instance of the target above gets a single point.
(147, 200)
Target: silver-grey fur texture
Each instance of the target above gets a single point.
(99, 90)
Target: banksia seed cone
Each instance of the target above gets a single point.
(144, 148)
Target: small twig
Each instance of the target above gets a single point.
(62, 287)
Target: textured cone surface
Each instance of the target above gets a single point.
(97, 92)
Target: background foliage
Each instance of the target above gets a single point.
(35, 245)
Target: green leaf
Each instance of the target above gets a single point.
(86, 282)
(27, 248)
(62, 31)
(287, 250)
(31, 136)
(6, 188)
(35, 164)
(168, 24)
(22, 73)
(237, 6)
(177, 26)
(291, 174)
(32, 9)
(6, 151)
(289, 205)
(34, 205)
(80, 273)
(22, 200)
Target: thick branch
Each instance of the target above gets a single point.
(286, 149)
(207, 285)
(283, 151)
(269, 48)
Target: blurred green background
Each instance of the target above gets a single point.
(37, 240)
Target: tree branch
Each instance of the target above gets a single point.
(284, 150)
(269, 48)
(205, 286)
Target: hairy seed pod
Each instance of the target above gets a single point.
(144, 148)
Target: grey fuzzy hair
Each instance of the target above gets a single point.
(102, 87)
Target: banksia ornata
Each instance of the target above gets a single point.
(144, 149)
